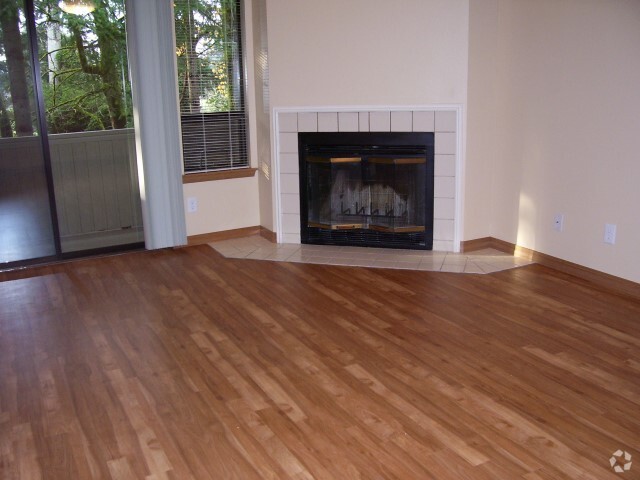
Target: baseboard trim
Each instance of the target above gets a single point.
(476, 244)
(224, 235)
(601, 279)
(503, 246)
(268, 234)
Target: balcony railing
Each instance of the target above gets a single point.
(96, 183)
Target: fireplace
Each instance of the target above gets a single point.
(372, 189)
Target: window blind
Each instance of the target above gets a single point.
(211, 84)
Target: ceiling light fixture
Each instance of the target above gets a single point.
(77, 7)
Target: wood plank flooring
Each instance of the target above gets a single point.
(181, 364)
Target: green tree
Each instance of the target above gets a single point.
(84, 71)
(86, 86)
(206, 42)
(16, 68)
(6, 130)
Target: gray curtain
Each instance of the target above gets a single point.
(152, 61)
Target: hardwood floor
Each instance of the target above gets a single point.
(182, 364)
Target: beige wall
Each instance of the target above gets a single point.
(482, 136)
(262, 130)
(367, 52)
(561, 108)
(223, 205)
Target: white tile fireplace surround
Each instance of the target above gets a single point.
(443, 121)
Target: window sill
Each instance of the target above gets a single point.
(219, 175)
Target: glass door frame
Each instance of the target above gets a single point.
(29, 11)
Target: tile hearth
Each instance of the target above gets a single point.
(479, 262)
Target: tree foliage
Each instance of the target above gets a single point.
(207, 40)
(84, 69)
(15, 65)
(83, 65)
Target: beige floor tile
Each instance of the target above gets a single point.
(452, 268)
(366, 250)
(389, 252)
(429, 267)
(320, 253)
(389, 258)
(472, 267)
(410, 258)
(408, 265)
(410, 252)
(256, 256)
(350, 254)
(279, 257)
(431, 263)
(345, 262)
(478, 262)
(321, 248)
(383, 264)
(362, 262)
(376, 249)
(488, 268)
(308, 257)
(287, 247)
(320, 260)
(502, 265)
(455, 261)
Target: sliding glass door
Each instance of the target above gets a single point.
(83, 60)
(85, 137)
(26, 222)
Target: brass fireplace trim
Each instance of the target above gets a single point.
(337, 226)
(334, 159)
(397, 161)
(377, 228)
(407, 229)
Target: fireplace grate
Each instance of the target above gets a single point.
(367, 238)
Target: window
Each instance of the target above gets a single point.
(211, 84)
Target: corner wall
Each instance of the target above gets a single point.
(261, 132)
(482, 136)
(564, 125)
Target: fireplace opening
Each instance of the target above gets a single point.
(367, 189)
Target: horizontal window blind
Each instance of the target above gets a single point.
(211, 84)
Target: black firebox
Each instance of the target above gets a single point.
(372, 189)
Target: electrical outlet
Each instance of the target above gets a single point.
(609, 233)
(192, 204)
(558, 222)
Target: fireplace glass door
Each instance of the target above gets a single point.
(366, 190)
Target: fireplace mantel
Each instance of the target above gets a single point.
(443, 120)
